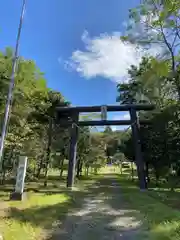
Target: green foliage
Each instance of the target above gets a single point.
(160, 140)
(33, 105)
(155, 80)
(157, 215)
(155, 23)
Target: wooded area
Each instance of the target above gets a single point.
(154, 30)
(30, 129)
(153, 24)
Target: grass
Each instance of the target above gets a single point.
(31, 219)
(26, 220)
(45, 206)
(159, 217)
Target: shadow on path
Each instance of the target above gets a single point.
(95, 212)
(100, 215)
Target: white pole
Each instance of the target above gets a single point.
(11, 85)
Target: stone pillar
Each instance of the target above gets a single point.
(18, 194)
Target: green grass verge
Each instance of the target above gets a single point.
(31, 218)
(45, 206)
(28, 219)
(162, 221)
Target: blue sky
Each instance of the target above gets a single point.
(60, 30)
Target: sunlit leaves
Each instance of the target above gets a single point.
(33, 103)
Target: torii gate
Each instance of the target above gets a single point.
(69, 116)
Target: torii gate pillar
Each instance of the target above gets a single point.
(137, 148)
(72, 152)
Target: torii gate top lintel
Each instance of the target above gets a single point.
(67, 115)
(110, 108)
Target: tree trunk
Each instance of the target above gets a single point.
(3, 174)
(87, 171)
(14, 169)
(157, 178)
(147, 172)
(95, 170)
(121, 169)
(46, 175)
(177, 82)
(132, 172)
(40, 167)
(34, 171)
(48, 151)
(78, 168)
(61, 167)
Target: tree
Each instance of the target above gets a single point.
(144, 86)
(83, 150)
(96, 155)
(33, 105)
(160, 139)
(155, 24)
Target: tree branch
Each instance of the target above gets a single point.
(165, 39)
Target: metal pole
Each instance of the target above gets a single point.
(11, 85)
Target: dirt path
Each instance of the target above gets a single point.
(101, 216)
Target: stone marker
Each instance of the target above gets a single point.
(18, 194)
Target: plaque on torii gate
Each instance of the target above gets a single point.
(104, 112)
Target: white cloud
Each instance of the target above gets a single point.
(124, 116)
(118, 128)
(114, 128)
(107, 56)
